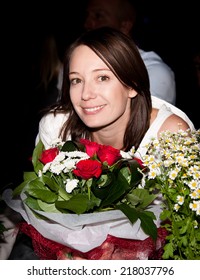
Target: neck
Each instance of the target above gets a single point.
(109, 138)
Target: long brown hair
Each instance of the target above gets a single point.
(121, 55)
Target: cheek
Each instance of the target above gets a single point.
(122, 98)
(125, 103)
(74, 96)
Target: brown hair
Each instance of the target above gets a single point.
(121, 55)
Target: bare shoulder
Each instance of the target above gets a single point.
(174, 123)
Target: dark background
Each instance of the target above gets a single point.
(171, 29)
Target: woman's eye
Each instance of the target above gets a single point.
(75, 81)
(103, 78)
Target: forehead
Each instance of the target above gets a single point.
(86, 55)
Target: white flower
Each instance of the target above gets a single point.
(56, 167)
(153, 172)
(77, 154)
(180, 199)
(71, 184)
(69, 164)
(193, 184)
(46, 167)
(126, 155)
(176, 207)
(195, 205)
(195, 194)
(173, 174)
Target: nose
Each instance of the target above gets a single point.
(88, 91)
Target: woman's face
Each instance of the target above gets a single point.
(98, 97)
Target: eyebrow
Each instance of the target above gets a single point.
(95, 70)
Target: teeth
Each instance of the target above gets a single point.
(93, 109)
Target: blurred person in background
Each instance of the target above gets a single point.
(48, 71)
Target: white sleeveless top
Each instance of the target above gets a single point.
(50, 125)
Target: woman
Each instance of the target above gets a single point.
(106, 96)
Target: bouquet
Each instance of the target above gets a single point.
(86, 199)
(173, 161)
(81, 189)
(87, 177)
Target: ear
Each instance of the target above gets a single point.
(132, 93)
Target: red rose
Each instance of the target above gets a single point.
(48, 155)
(88, 168)
(109, 154)
(90, 147)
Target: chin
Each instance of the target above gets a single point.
(94, 125)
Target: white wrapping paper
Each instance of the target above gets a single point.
(82, 232)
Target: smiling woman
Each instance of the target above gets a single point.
(105, 100)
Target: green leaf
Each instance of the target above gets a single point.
(165, 215)
(54, 186)
(184, 241)
(37, 184)
(44, 195)
(184, 226)
(78, 204)
(32, 203)
(148, 225)
(69, 146)
(28, 177)
(102, 186)
(104, 181)
(17, 191)
(38, 190)
(93, 202)
(133, 199)
(50, 183)
(47, 207)
(150, 214)
(131, 213)
(115, 190)
(141, 197)
(36, 155)
(146, 218)
(136, 176)
(62, 193)
(168, 251)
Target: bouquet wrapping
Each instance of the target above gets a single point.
(81, 232)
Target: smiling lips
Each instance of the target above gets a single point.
(93, 110)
